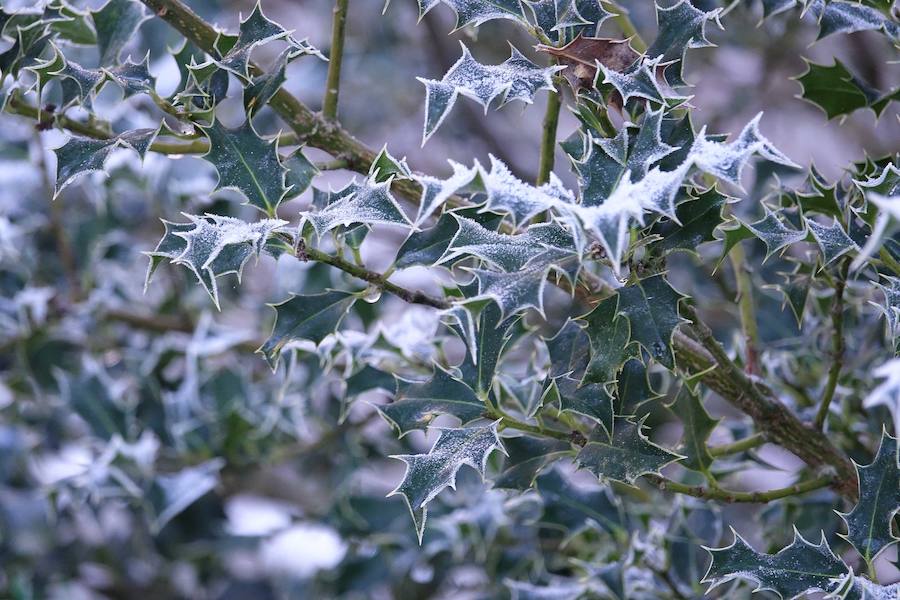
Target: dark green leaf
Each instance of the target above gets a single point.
(417, 404)
(115, 23)
(651, 306)
(624, 456)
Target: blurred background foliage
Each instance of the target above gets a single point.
(146, 452)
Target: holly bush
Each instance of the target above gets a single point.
(606, 363)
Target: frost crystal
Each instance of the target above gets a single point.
(887, 393)
(515, 79)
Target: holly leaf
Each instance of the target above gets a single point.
(581, 17)
(581, 56)
(253, 31)
(637, 81)
(428, 474)
(775, 234)
(93, 396)
(799, 568)
(508, 194)
(569, 351)
(837, 16)
(386, 166)
(212, 246)
(698, 218)
(610, 336)
(426, 247)
(115, 23)
(890, 308)
(887, 393)
(247, 163)
(172, 493)
(261, 89)
(838, 92)
(313, 317)
(832, 240)
(505, 252)
(681, 27)
(417, 404)
(133, 78)
(81, 155)
(571, 507)
(651, 306)
(436, 192)
(486, 337)
(526, 458)
(300, 173)
(625, 455)
(515, 79)
(477, 12)
(367, 202)
(698, 425)
(591, 400)
(869, 523)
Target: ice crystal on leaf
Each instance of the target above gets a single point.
(887, 393)
(515, 79)
(365, 202)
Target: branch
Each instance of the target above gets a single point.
(706, 493)
(746, 307)
(837, 345)
(748, 443)
(548, 139)
(335, 58)
(759, 402)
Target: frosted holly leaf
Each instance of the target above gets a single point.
(887, 393)
(255, 30)
(115, 23)
(626, 455)
(582, 17)
(386, 166)
(885, 222)
(426, 247)
(601, 167)
(775, 234)
(311, 317)
(571, 507)
(526, 457)
(890, 308)
(557, 590)
(633, 387)
(436, 192)
(651, 306)
(174, 492)
(262, 87)
(428, 474)
(517, 78)
(776, 7)
(647, 147)
(610, 219)
(417, 404)
(833, 241)
(247, 163)
(29, 42)
(681, 27)
(486, 335)
(300, 173)
(522, 201)
(837, 16)
(212, 246)
(569, 351)
(638, 81)
(78, 84)
(698, 426)
(794, 571)
(886, 182)
(727, 160)
(133, 78)
(523, 289)
(590, 400)
(367, 202)
(505, 252)
(698, 217)
(80, 155)
(477, 12)
(610, 336)
(869, 523)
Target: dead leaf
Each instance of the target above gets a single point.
(580, 57)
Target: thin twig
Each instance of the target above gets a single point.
(730, 496)
(548, 138)
(837, 344)
(335, 58)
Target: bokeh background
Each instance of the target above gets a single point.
(270, 497)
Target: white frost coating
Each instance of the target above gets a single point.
(435, 192)
(887, 393)
(517, 78)
(211, 235)
(507, 193)
(888, 214)
(428, 474)
(369, 202)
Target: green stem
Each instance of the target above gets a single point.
(548, 139)
(620, 16)
(745, 305)
(748, 443)
(335, 58)
(733, 496)
(509, 421)
(837, 345)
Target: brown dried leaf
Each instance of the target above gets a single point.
(580, 58)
